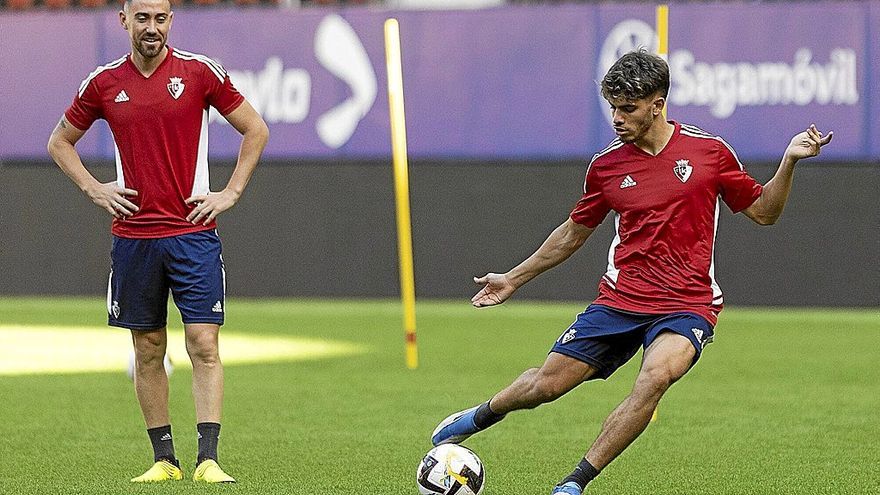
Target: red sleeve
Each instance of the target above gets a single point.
(86, 107)
(737, 188)
(592, 208)
(222, 95)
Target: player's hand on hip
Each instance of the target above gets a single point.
(208, 206)
(496, 289)
(808, 143)
(112, 198)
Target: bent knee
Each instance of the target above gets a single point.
(658, 378)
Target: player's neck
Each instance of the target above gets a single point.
(146, 66)
(656, 138)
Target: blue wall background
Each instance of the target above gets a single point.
(517, 82)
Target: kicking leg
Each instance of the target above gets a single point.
(556, 377)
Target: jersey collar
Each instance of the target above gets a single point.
(162, 64)
(676, 133)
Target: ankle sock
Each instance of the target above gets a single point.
(209, 436)
(582, 474)
(163, 444)
(484, 417)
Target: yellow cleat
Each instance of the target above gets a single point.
(161, 471)
(209, 471)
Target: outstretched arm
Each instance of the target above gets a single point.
(255, 135)
(767, 208)
(562, 243)
(109, 196)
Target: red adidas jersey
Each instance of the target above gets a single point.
(160, 129)
(662, 258)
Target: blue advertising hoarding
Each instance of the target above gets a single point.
(513, 82)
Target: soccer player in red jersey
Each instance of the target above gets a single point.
(664, 183)
(156, 101)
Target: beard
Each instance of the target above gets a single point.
(638, 130)
(150, 50)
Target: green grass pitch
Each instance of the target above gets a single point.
(784, 402)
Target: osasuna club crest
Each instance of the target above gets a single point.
(176, 87)
(683, 170)
(568, 336)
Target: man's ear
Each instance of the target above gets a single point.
(659, 104)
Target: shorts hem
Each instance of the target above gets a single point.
(698, 346)
(601, 369)
(214, 321)
(137, 326)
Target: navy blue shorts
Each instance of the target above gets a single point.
(142, 272)
(607, 338)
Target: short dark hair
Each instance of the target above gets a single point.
(126, 4)
(636, 75)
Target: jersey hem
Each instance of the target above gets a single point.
(709, 315)
(195, 229)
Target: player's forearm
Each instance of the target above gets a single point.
(558, 247)
(769, 206)
(65, 156)
(252, 144)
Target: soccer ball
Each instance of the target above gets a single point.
(450, 470)
(169, 367)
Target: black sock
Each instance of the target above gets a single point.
(163, 445)
(209, 434)
(485, 417)
(582, 474)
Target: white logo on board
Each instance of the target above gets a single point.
(340, 51)
(625, 37)
(282, 95)
(725, 86)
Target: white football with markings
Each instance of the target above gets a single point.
(450, 470)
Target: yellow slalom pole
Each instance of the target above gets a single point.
(663, 51)
(401, 188)
(663, 37)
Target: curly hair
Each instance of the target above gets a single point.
(636, 75)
